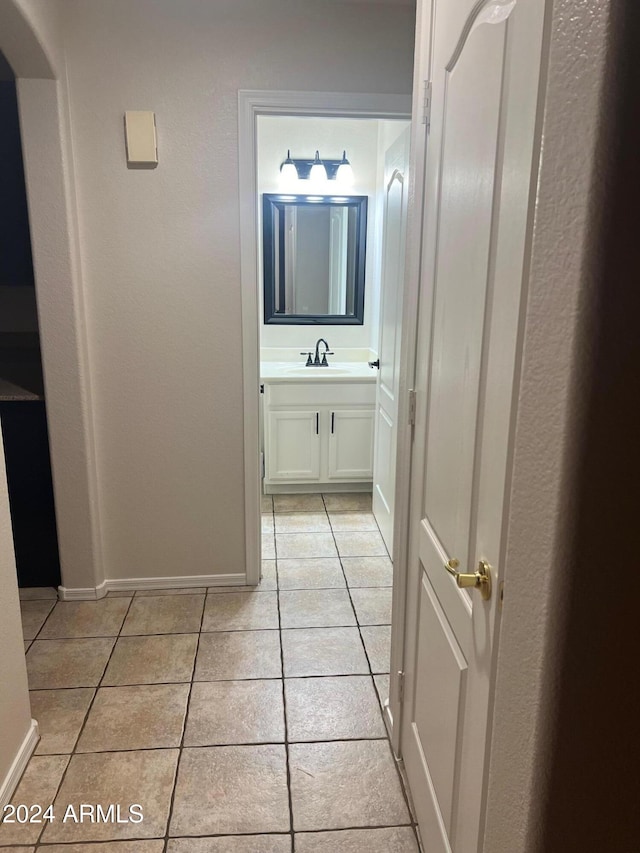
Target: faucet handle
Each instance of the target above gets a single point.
(324, 362)
(309, 359)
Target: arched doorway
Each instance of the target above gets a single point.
(29, 40)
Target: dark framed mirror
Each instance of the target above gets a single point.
(314, 250)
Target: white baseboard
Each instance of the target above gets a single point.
(237, 579)
(11, 780)
(388, 718)
(315, 488)
(89, 593)
(133, 584)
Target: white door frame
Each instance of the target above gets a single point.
(251, 104)
(417, 154)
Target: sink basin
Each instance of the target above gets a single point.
(316, 371)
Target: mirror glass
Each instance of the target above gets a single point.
(314, 258)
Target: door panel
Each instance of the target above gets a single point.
(438, 712)
(485, 65)
(471, 101)
(391, 289)
(293, 446)
(351, 444)
(384, 451)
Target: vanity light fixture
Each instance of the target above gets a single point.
(317, 171)
(288, 171)
(344, 175)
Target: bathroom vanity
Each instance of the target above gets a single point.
(318, 426)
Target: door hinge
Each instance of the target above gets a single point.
(412, 407)
(400, 686)
(426, 106)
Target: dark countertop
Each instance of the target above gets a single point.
(9, 392)
(20, 372)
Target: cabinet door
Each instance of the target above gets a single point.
(293, 446)
(351, 444)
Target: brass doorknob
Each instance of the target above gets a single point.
(481, 579)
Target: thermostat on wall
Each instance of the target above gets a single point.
(140, 136)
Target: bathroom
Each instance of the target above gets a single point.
(327, 437)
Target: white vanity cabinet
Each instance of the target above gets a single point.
(318, 432)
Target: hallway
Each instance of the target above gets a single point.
(133, 688)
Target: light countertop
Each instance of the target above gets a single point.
(288, 371)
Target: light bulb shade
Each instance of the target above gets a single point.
(344, 175)
(318, 171)
(288, 171)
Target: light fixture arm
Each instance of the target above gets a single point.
(303, 166)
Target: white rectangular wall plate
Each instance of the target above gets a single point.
(140, 137)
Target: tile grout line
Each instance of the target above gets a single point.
(270, 833)
(380, 705)
(397, 762)
(357, 625)
(184, 731)
(44, 622)
(84, 721)
(115, 751)
(284, 696)
(284, 702)
(204, 681)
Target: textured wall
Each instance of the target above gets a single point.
(62, 328)
(548, 429)
(28, 30)
(160, 248)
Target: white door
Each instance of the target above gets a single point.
(293, 446)
(391, 287)
(350, 444)
(485, 67)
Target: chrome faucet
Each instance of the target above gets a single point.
(317, 361)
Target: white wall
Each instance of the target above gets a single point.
(160, 248)
(61, 314)
(29, 37)
(15, 713)
(45, 19)
(303, 135)
(545, 474)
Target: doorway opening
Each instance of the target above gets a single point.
(22, 399)
(319, 451)
(330, 275)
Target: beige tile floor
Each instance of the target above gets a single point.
(244, 721)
